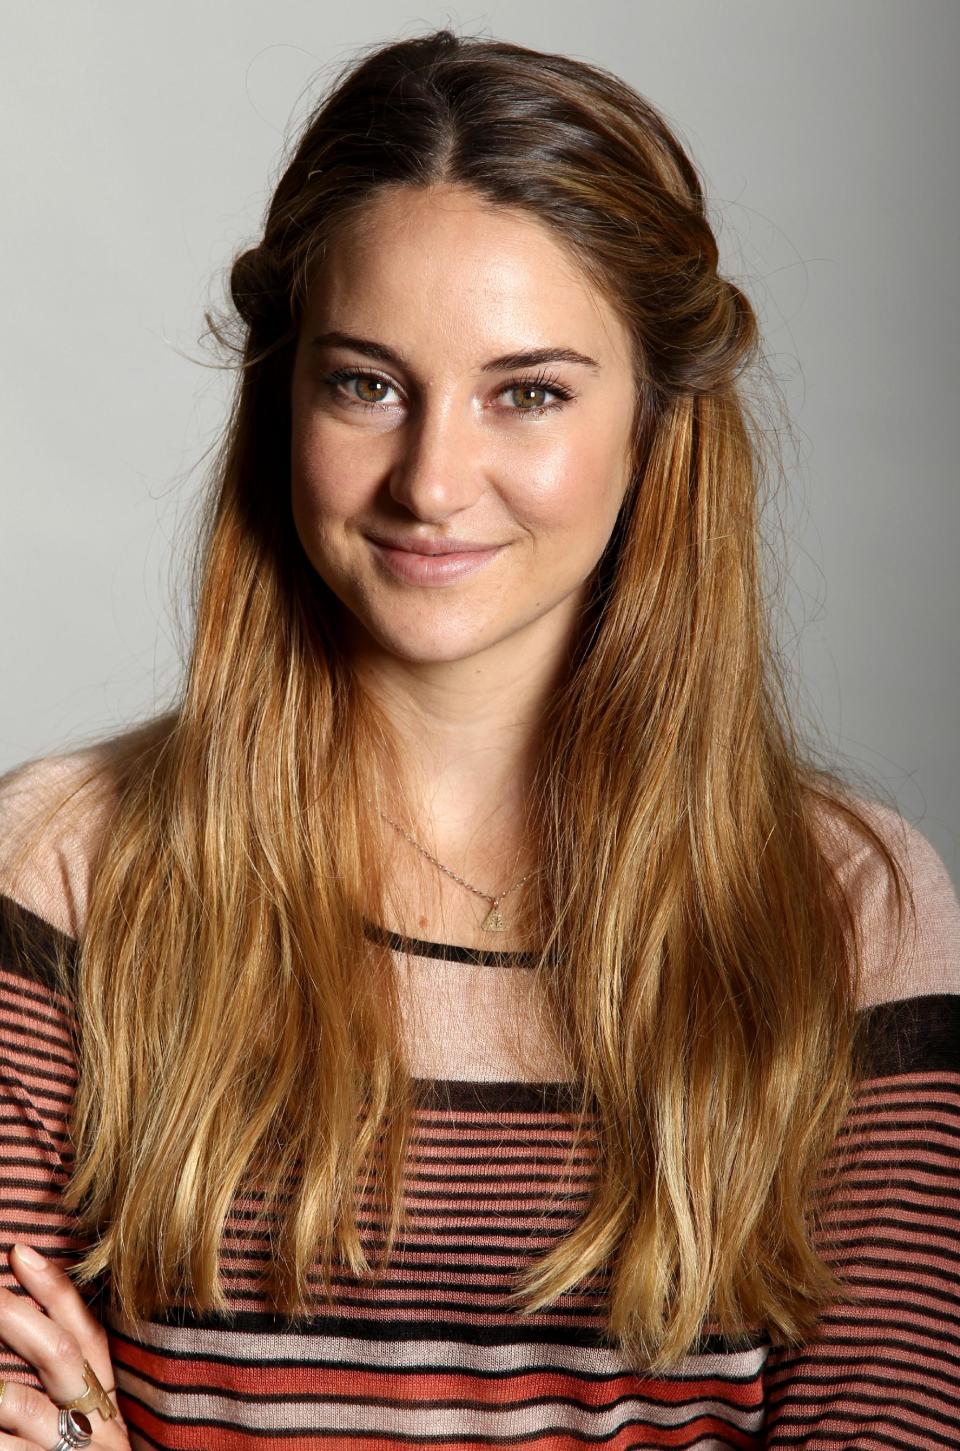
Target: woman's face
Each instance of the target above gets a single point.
(433, 436)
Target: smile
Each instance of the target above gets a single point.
(414, 568)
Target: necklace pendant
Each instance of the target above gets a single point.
(494, 921)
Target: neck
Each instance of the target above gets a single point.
(469, 734)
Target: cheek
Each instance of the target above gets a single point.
(577, 493)
(325, 484)
(316, 500)
(309, 457)
(305, 471)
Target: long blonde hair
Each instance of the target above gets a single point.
(693, 946)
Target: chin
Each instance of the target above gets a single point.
(430, 647)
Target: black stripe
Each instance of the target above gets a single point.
(469, 1096)
(490, 1175)
(480, 1167)
(533, 1144)
(446, 951)
(416, 1331)
(31, 947)
(915, 1035)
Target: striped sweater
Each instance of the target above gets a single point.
(434, 1354)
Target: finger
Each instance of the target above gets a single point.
(50, 1348)
(28, 1416)
(53, 1352)
(60, 1297)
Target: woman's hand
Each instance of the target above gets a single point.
(56, 1344)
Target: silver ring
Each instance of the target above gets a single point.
(75, 1431)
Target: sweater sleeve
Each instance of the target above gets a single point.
(883, 1372)
(42, 898)
(37, 1082)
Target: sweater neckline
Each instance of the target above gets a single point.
(48, 933)
(446, 951)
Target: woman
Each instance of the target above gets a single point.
(469, 1017)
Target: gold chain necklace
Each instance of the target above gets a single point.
(494, 920)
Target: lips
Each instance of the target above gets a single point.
(414, 566)
(433, 547)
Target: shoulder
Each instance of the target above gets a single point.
(921, 955)
(53, 811)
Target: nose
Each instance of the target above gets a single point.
(440, 469)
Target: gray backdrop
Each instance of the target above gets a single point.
(140, 141)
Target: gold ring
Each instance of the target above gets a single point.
(92, 1398)
(3, 1386)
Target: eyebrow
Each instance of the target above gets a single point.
(529, 358)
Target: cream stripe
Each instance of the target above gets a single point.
(260, 1347)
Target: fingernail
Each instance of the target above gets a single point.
(30, 1256)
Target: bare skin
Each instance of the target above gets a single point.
(443, 449)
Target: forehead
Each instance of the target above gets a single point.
(443, 268)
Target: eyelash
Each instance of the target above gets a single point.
(543, 380)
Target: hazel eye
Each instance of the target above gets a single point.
(526, 389)
(542, 384)
(364, 380)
